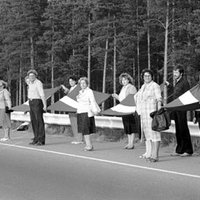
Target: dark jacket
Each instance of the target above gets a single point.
(180, 87)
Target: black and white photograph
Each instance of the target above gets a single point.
(99, 99)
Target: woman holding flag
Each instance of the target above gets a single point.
(129, 122)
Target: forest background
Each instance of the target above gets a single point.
(99, 39)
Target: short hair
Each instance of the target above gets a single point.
(126, 76)
(73, 78)
(146, 71)
(84, 79)
(32, 71)
(180, 69)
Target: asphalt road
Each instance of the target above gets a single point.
(60, 170)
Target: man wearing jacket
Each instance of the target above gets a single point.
(184, 144)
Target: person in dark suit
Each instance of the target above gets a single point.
(184, 144)
(196, 118)
(37, 103)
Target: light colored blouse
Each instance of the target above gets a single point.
(35, 90)
(5, 99)
(126, 90)
(149, 93)
(86, 102)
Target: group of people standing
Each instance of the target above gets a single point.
(148, 99)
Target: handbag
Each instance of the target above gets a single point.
(95, 108)
(161, 120)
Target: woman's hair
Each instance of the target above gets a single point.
(32, 71)
(73, 78)
(146, 71)
(26, 77)
(84, 79)
(126, 76)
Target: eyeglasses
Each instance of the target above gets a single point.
(147, 75)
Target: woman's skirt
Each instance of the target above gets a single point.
(4, 119)
(130, 124)
(86, 125)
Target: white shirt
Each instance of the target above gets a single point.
(86, 101)
(35, 90)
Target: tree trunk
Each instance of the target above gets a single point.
(32, 52)
(138, 45)
(52, 62)
(89, 50)
(105, 64)
(165, 54)
(114, 61)
(173, 38)
(148, 35)
(104, 70)
(20, 75)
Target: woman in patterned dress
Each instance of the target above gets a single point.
(148, 99)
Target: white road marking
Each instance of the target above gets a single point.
(103, 160)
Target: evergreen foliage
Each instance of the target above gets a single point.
(63, 37)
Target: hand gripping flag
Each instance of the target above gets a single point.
(125, 107)
(25, 106)
(69, 104)
(190, 100)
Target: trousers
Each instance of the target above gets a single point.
(184, 143)
(37, 121)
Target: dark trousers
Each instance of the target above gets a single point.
(184, 143)
(37, 121)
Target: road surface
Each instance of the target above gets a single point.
(60, 170)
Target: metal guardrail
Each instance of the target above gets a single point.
(101, 121)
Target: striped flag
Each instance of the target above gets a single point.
(125, 107)
(190, 100)
(25, 106)
(69, 104)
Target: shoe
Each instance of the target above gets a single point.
(144, 156)
(88, 148)
(4, 139)
(40, 143)
(175, 154)
(33, 143)
(185, 155)
(129, 148)
(126, 147)
(76, 142)
(152, 160)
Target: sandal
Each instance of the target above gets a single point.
(88, 148)
(4, 139)
(143, 156)
(129, 148)
(152, 160)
